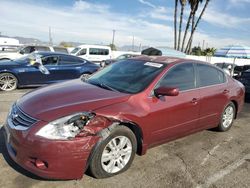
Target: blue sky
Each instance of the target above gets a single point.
(149, 21)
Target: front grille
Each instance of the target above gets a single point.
(19, 118)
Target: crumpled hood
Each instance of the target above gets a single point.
(58, 100)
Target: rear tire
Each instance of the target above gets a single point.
(115, 154)
(8, 82)
(227, 117)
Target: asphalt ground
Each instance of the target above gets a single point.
(205, 159)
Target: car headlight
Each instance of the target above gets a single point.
(66, 127)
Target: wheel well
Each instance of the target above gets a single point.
(138, 134)
(236, 108)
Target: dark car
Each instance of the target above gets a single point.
(60, 130)
(238, 70)
(54, 67)
(244, 78)
(121, 57)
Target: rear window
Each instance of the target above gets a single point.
(62, 50)
(42, 48)
(209, 75)
(98, 51)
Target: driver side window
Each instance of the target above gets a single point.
(51, 60)
(181, 76)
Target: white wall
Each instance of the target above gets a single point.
(219, 59)
(8, 41)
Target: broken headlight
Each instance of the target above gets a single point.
(66, 127)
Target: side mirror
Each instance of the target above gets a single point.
(166, 91)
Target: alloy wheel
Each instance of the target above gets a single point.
(116, 154)
(228, 116)
(8, 82)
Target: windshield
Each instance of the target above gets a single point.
(127, 76)
(75, 50)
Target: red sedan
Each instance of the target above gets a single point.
(100, 123)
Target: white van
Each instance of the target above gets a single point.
(93, 53)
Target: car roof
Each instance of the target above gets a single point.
(93, 46)
(52, 53)
(160, 59)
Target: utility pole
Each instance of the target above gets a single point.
(203, 44)
(133, 43)
(50, 37)
(113, 39)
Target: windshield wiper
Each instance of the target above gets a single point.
(102, 85)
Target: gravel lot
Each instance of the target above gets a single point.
(205, 159)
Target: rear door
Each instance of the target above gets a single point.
(69, 67)
(214, 91)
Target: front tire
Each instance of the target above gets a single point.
(115, 154)
(8, 82)
(227, 117)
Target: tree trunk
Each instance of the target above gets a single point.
(196, 24)
(186, 30)
(179, 37)
(190, 45)
(175, 24)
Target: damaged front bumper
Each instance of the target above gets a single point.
(52, 159)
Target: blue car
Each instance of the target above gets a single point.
(42, 68)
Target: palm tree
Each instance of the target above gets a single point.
(175, 24)
(189, 44)
(183, 3)
(194, 4)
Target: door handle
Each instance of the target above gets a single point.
(194, 101)
(225, 91)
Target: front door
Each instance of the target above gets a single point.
(175, 116)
